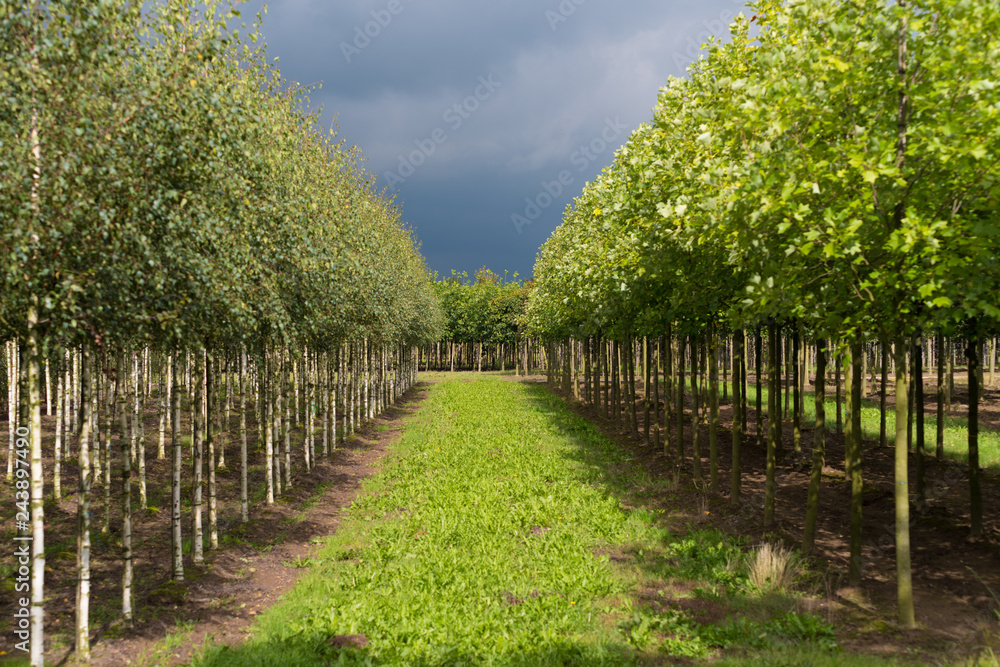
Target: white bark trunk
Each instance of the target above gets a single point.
(176, 551)
(83, 518)
(197, 537)
(244, 501)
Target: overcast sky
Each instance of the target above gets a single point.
(473, 111)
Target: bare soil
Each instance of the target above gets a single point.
(956, 579)
(217, 602)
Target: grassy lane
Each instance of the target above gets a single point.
(486, 540)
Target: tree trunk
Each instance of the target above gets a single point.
(773, 421)
(126, 460)
(83, 520)
(176, 547)
(679, 464)
(198, 482)
(138, 429)
(839, 360)
(797, 397)
(917, 355)
(973, 353)
(697, 378)
(884, 347)
(819, 450)
(210, 400)
(736, 481)
(902, 495)
(941, 397)
(713, 407)
(759, 372)
(646, 397)
(854, 444)
(33, 422)
(57, 449)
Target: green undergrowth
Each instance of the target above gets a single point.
(956, 431)
(499, 534)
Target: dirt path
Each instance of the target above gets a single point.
(954, 577)
(256, 564)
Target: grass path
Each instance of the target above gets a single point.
(485, 540)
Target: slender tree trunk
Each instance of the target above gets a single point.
(736, 481)
(917, 355)
(223, 410)
(10, 349)
(679, 465)
(176, 546)
(696, 381)
(819, 451)
(210, 399)
(110, 402)
(884, 347)
(854, 443)
(797, 398)
(950, 379)
(244, 497)
(788, 359)
(138, 429)
(126, 460)
(631, 388)
(849, 404)
(902, 495)
(83, 520)
(646, 396)
(743, 382)
(266, 428)
(838, 362)
(759, 372)
(57, 449)
(668, 389)
(656, 391)
(973, 353)
(941, 397)
(286, 427)
(197, 481)
(33, 421)
(713, 407)
(773, 422)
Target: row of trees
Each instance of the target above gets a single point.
(482, 321)
(170, 216)
(830, 173)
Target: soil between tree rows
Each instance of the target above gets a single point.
(954, 577)
(255, 565)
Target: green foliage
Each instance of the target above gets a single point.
(485, 310)
(161, 182)
(800, 172)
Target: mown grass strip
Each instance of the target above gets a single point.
(481, 542)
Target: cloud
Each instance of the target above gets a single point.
(393, 72)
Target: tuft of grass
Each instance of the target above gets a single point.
(774, 568)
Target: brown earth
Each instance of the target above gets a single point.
(255, 565)
(956, 579)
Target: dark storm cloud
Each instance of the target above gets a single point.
(476, 112)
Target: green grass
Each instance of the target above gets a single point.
(485, 540)
(956, 432)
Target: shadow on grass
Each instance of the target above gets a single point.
(299, 651)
